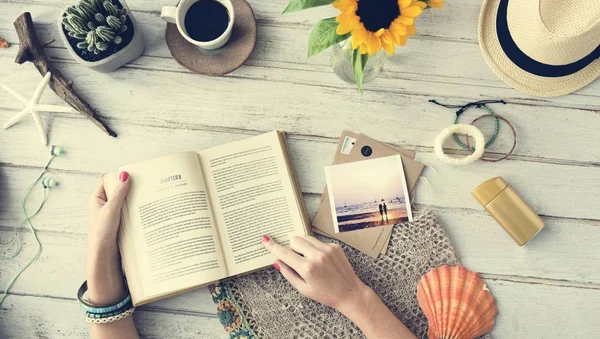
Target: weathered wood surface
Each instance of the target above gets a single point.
(548, 289)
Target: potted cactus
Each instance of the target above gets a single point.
(101, 34)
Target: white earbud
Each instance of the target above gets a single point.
(49, 183)
(57, 150)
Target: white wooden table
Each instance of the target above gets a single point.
(548, 289)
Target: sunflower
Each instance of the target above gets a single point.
(436, 3)
(377, 24)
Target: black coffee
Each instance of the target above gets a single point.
(206, 20)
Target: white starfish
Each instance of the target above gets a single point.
(34, 108)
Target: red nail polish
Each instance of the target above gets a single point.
(276, 265)
(123, 176)
(265, 238)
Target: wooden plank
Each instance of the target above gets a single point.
(525, 311)
(449, 63)
(481, 244)
(94, 153)
(146, 97)
(539, 311)
(39, 317)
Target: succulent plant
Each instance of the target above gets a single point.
(97, 23)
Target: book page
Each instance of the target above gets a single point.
(252, 193)
(169, 221)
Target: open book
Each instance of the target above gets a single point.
(193, 218)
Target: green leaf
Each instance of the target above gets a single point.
(323, 36)
(298, 5)
(358, 66)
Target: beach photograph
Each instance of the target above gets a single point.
(369, 193)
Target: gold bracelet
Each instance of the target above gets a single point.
(110, 319)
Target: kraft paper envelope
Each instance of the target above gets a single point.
(371, 241)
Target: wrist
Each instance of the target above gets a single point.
(358, 302)
(102, 246)
(106, 283)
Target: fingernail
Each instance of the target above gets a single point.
(123, 176)
(265, 238)
(276, 265)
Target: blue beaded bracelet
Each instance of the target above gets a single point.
(102, 310)
(118, 311)
(99, 309)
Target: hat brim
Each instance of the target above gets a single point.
(518, 78)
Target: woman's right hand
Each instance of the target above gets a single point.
(322, 272)
(319, 271)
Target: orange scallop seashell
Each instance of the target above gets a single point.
(456, 302)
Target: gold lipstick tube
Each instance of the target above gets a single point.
(517, 218)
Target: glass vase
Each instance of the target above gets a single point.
(341, 62)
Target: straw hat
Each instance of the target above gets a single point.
(542, 47)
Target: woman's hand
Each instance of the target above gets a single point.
(318, 271)
(106, 285)
(105, 279)
(322, 272)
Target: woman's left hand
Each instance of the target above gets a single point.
(104, 275)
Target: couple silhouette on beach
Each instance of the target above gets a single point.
(383, 210)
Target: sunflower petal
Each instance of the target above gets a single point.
(404, 3)
(363, 48)
(395, 38)
(404, 20)
(411, 12)
(389, 48)
(403, 39)
(397, 28)
(436, 4)
(343, 5)
(346, 23)
(420, 4)
(411, 30)
(359, 36)
(386, 38)
(373, 44)
(380, 32)
(343, 29)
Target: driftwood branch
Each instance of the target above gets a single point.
(32, 49)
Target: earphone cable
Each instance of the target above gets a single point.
(31, 229)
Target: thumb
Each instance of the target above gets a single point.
(115, 200)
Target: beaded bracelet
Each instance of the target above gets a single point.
(109, 314)
(514, 136)
(478, 104)
(492, 138)
(111, 319)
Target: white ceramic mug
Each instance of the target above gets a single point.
(176, 15)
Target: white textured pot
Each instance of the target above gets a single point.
(132, 51)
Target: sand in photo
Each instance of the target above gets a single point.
(368, 193)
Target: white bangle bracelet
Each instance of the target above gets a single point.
(111, 319)
(466, 129)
